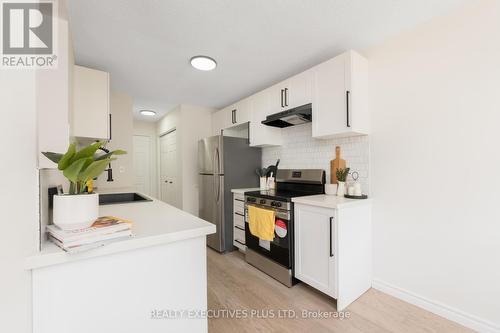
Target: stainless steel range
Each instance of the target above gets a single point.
(276, 257)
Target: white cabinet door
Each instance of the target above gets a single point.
(277, 98)
(90, 104)
(340, 97)
(239, 113)
(315, 237)
(261, 135)
(299, 90)
(293, 92)
(218, 121)
(53, 102)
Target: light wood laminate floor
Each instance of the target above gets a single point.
(234, 284)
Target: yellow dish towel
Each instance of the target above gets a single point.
(261, 222)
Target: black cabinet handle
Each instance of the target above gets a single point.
(235, 121)
(286, 96)
(331, 251)
(110, 122)
(282, 98)
(238, 241)
(347, 93)
(238, 227)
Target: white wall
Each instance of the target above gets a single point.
(19, 197)
(435, 101)
(301, 150)
(148, 129)
(122, 128)
(197, 124)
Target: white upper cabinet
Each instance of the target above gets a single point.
(261, 135)
(337, 89)
(293, 92)
(219, 121)
(239, 113)
(233, 115)
(91, 112)
(340, 101)
(53, 101)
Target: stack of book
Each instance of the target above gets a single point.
(105, 230)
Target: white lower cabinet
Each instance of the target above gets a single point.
(239, 221)
(333, 250)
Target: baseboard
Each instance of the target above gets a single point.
(442, 310)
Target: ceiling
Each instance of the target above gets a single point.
(146, 44)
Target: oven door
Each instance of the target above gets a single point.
(280, 248)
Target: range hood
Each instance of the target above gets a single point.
(296, 116)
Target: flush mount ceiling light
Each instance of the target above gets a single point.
(203, 63)
(147, 113)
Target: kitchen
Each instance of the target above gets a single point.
(316, 192)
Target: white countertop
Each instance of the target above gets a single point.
(243, 190)
(330, 201)
(154, 223)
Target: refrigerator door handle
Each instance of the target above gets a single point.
(217, 175)
(216, 188)
(217, 162)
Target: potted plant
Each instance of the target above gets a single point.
(79, 209)
(341, 177)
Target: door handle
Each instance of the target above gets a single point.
(347, 94)
(286, 96)
(331, 251)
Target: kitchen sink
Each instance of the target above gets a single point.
(119, 198)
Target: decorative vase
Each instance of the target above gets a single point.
(77, 211)
(341, 189)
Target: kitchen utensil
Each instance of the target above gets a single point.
(273, 169)
(337, 163)
(261, 172)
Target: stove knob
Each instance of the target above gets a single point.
(262, 201)
(251, 199)
(278, 204)
(273, 203)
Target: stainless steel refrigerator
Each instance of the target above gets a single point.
(224, 163)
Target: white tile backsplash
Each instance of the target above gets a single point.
(301, 151)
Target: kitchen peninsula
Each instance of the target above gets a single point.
(127, 286)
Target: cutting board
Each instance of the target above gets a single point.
(337, 163)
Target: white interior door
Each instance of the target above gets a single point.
(168, 169)
(142, 163)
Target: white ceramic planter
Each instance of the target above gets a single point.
(75, 211)
(341, 189)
